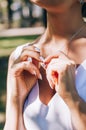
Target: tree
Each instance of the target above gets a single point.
(84, 10)
(9, 13)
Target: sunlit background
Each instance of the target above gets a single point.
(20, 13)
(20, 22)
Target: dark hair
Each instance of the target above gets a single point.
(84, 10)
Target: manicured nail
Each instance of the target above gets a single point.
(42, 58)
(34, 73)
(43, 65)
(29, 59)
(51, 86)
(40, 77)
(37, 49)
(56, 87)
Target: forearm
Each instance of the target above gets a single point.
(14, 124)
(78, 112)
(14, 117)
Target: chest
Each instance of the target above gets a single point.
(75, 50)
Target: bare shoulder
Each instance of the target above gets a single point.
(82, 39)
(78, 47)
(82, 36)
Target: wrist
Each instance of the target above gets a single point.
(15, 120)
(75, 103)
(78, 112)
(72, 100)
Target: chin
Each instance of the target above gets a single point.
(38, 2)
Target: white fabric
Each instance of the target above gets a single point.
(55, 115)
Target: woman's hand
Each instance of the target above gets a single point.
(23, 72)
(60, 71)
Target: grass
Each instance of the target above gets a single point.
(7, 45)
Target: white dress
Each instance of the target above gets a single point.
(56, 115)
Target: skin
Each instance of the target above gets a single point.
(22, 75)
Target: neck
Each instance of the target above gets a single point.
(64, 24)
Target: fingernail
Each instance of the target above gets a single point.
(57, 87)
(42, 58)
(29, 59)
(51, 86)
(43, 65)
(34, 73)
(40, 77)
(37, 49)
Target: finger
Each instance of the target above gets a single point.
(55, 65)
(25, 54)
(52, 72)
(51, 84)
(33, 49)
(57, 55)
(15, 56)
(49, 58)
(52, 76)
(17, 69)
(60, 63)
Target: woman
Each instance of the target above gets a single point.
(50, 93)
